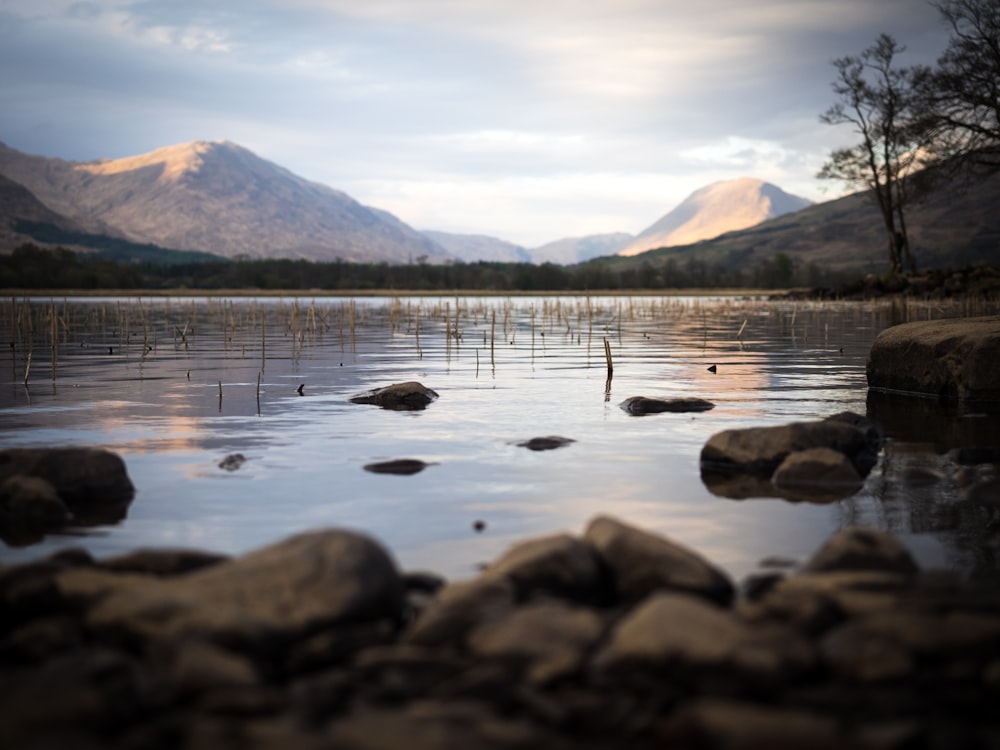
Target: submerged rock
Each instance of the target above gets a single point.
(952, 359)
(408, 396)
(639, 406)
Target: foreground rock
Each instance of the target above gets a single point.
(820, 461)
(952, 359)
(45, 488)
(617, 638)
(408, 396)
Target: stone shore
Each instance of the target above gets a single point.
(609, 639)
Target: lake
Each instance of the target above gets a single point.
(176, 384)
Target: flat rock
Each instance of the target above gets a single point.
(400, 466)
(547, 443)
(953, 359)
(822, 472)
(408, 396)
(639, 406)
(309, 580)
(641, 563)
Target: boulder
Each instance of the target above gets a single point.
(82, 477)
(821, 472)
(304, 582)
(408, 396)
(560, 565)
(400, 466)
(642, 563)
(860, 548)
(639, 406)
(951, 359)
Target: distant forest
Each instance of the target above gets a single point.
(32, 267)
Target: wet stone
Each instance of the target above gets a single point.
(639, 406)
(408, 396)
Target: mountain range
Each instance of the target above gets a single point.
(219, 198)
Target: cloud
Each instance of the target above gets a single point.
(523, 119)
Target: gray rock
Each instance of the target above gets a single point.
(561, 565)
(309, 580)
(639, 406)
(642, 563)
(760, 450)
(547, 639)
(954, 359)
(408, 396)
(860, 548)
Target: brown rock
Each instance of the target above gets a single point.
(642, 563)
(561, 565)
(954, 359)
(458, 608)
(860, 548)
(639, 406)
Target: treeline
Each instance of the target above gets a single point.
(33, 267)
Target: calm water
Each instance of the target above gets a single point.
(142, 378)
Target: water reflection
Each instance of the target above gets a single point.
(507, 370)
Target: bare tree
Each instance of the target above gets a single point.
(879, 99)
(963, 94)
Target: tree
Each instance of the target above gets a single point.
(963, 94)
(880, 100)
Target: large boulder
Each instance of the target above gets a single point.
(640, 406)
(305, 582)
(953, 359)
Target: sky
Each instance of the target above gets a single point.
(526, 120)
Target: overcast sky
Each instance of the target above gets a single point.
(528, 120)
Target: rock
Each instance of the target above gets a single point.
(195, 666)
(819, 472)
(162, 562)
(400, 466)
(761, 450)
(409, 396)
(458, 608)
(32, 501)
(860, 548)
(560, 565)
(309, 580)
(548, 443)
(232, 462)
(82, 477)
(671, 629)
(642, 563)
(953, 359)
(861, 655)
(547, 639)
(639, 406)
(732, 725)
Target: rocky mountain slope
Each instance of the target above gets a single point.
(474, 247)
(716, 209)
(579, 249)
(220, 198)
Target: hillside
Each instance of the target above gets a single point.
(580, 249)
(470, 248)
(220, 198)
(955, 223)
(714, 210)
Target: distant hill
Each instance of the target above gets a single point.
(220, 198)
(573, 250)
(716, 209)
(955, 223)
(473, 247)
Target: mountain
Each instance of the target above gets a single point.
(473, 247)
(220, 198)
(716, 209)
(579, 249)
(953, 223)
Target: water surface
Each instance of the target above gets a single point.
(175, 385)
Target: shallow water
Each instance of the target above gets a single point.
(172, 385)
